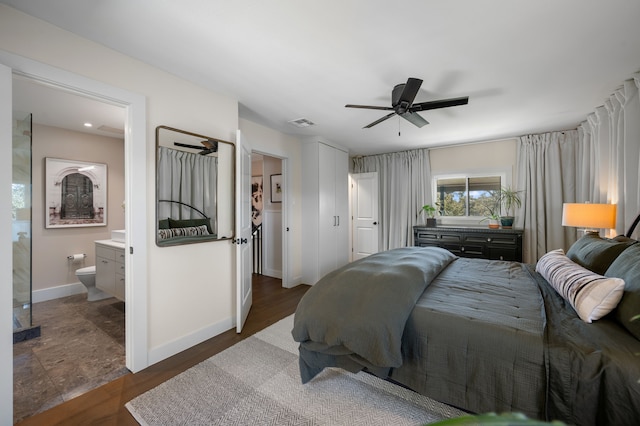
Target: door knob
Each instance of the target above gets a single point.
(375, 223)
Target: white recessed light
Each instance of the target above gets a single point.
(88, 125)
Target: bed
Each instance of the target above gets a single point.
(174, 231)
(556, 341)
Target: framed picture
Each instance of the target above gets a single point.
(276, 188)
(75, 193)
(256, 200)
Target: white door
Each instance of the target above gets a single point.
(364, 202)
(328, 220)
(244, 296)
(342, 208)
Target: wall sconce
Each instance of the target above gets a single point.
(591, 217)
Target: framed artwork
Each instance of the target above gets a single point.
(276, 188)
(75, 193)
(256, 200)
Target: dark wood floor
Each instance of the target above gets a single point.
(105, 405)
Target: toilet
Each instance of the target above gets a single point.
(87, 277)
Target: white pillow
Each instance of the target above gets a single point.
(591, 295)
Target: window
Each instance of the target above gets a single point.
(466, 195)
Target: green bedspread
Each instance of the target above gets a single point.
(360, 310)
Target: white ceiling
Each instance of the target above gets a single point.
(54, 107)
(527, 66)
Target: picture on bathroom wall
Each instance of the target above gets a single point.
(256, 200)
(276, 188)
(75, 193)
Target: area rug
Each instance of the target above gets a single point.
(257, 382)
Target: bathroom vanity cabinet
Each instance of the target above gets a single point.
(110, 268)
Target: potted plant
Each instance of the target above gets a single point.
(430, 212)
(509, 199)
(493, 217)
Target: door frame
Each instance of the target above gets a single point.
(136, 324)
(243, 226)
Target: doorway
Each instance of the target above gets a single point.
(135, 198)
(267, 215)
(60, 306)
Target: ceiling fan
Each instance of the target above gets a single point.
(402, 104)
(210, 146)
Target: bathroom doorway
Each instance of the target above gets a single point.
(85, 338)
(135, 154)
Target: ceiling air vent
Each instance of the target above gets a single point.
(302, 122)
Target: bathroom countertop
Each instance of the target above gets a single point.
(111, 243)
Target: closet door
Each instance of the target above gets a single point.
(327, 209)
(341, 208)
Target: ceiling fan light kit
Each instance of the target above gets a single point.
(210, 146)
(402, 97)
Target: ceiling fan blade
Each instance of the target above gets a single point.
(414, 118)
(369, 107)
(444, 103)
(184, 145)
(403, 95)
(380, 120)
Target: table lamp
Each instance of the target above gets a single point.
(590, 216)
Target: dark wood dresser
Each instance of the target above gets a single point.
(485, 243)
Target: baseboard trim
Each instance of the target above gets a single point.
(295, 281)
(167, 350)
(57, 292)
(275, 273)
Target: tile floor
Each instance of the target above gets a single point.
(80, 348)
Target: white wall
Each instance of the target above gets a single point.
(186, 302)
(6, 296)
(50, 247)
(475, 157)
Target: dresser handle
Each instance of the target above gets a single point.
(461, 248)
(488, 240)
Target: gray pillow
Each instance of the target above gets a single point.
(596, 253)
(627, 267)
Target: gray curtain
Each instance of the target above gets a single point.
(548, 174)
(188, 178)
(405, 186)
(598, 163)
(613, 130)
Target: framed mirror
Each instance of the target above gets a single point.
(195, 188)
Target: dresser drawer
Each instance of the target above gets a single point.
(501, 244)
(493, 239)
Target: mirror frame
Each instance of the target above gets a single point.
(232, 165)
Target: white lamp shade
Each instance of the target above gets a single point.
(587, 215)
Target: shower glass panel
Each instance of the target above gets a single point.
(21, 222)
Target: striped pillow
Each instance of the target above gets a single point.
(190, 231)
(591, 295)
